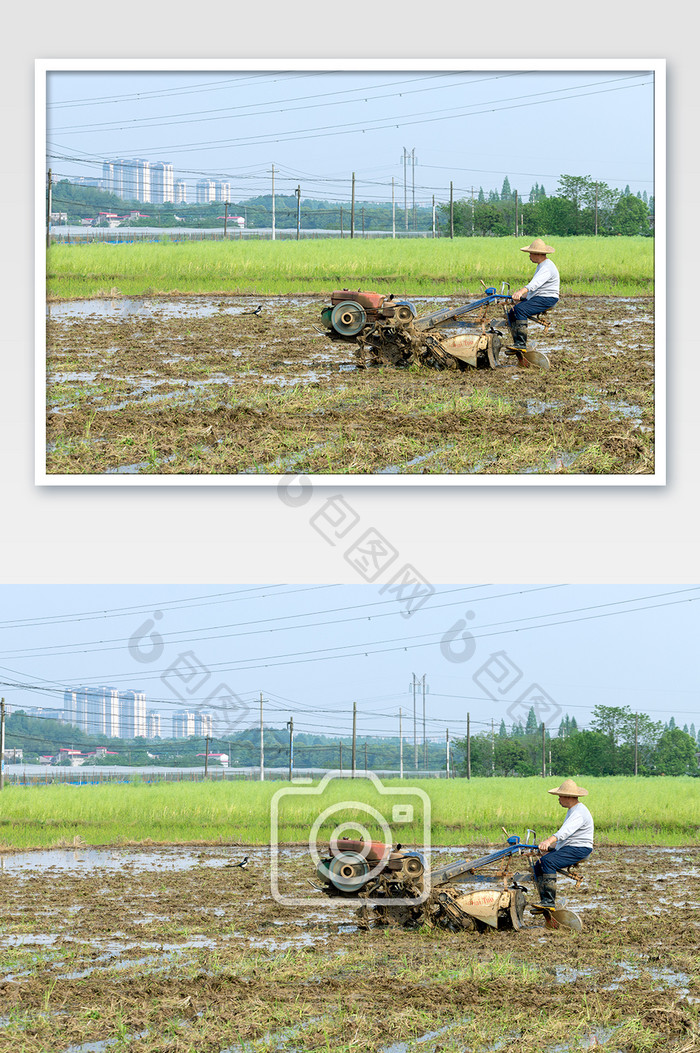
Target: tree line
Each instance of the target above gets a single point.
(579, 206)
(617, 742)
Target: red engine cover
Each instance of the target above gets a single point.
(371, 301)
(376, 852)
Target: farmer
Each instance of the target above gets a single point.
(572, 842)
(540, 293)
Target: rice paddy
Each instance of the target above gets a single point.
(621, 266)
(661, 811)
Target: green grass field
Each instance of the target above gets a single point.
(619, 266)
(661, 811)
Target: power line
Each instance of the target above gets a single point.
(383, 123)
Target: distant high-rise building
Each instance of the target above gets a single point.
(132, 714)
(128, 179)
(108, 177)
(70, 706)
(206, 191)
(180, 192)
(153, 725)
(183, 725)
(204, 724)
(162, 182)
(223, 191)
(102, 704)
(75, 708)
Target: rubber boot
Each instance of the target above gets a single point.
(519, 331)
(547, 889)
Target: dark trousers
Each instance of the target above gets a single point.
(550, 862)
(525, 309)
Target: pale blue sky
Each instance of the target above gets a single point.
(317, 127)
(313, 650)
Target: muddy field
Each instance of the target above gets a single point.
(204, 386)
(178, 949)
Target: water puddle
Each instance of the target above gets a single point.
(120, 308)
(111, 859)
(396, 469)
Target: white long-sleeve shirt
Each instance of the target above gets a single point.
(577, 829)
(545, 281)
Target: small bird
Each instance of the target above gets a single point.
(243, 863)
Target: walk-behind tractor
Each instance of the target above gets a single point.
(393, 886)
(387, 331)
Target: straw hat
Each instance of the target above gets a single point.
(569, 789)
(538, 246)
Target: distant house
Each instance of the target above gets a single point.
(74, 757)
(13, 756)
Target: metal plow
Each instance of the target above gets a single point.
(389, 332)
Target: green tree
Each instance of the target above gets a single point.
(630, 216)
(531, 725)
(676, 754)
(512, 758)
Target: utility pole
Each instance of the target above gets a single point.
(354, 738)
(493, 751)
(298, 194)
(433, 215)
(225, 218)
(636, 743)
(415, 730)
(469, 750)
(2, 744)
(516, 213)
(352, 208)
(262, 742)
(273, 202)
(393, 209)
(452, 210)
(413, 180)
(48, 211)
(472, 211)
(400, 745)
(425, 741)
(290, 725)
(544, 762)
(206, 756)
(447, 750)
(405, 191)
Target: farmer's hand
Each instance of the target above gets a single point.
(544, 846)
(521, 294)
